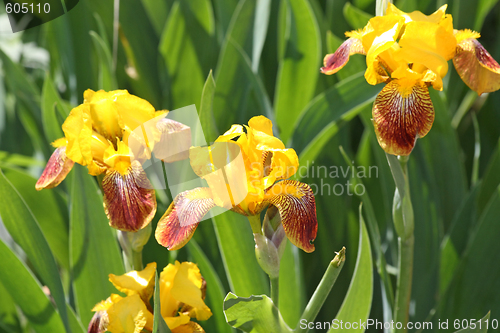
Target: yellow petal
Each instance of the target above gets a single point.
(435, 17)
(78, 131)
(178, 321)
(262, 124)
(187, 289)
(134, 282)
(118, 159)
(133, 111)
(402, 112)
(190, 327)
(222, 165)
(105, 118)
(380, 38)
(233, 132)
(475, 65)
(428, 44)
(129, 315)
(169, 305)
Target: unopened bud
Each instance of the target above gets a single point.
(270, 245)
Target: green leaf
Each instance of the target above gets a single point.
(357, 303)
(9, 319)
(299, 64)
(215, 290)
(49, 209)
(256, 314)
(481, 326)
(262, 12)
(470, 294)
(232, 85)
(16, 160)
(74, 322)
(28, 294)
(291, 285)
(188, 46)
(237, 248)
(159, 325)
(140, 42)
(356, 18)
(206, 113)
(329, 111)
(25, 230)
(94, 252)
(157, 12)
(50, 99)
(106, 79)
(484, 7)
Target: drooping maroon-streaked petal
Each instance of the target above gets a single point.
(476, 66)
(402, 112)
(334, 62)
(129, 199)
(99, 322)
(177, 225)
(297, 207)
(58, 166)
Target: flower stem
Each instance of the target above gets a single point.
(402, 211)
(275, 290)
(405, 273)
(323, 289)
(255, 224)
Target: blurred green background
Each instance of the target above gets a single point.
(264, 58)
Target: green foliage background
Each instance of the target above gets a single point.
(264, 56)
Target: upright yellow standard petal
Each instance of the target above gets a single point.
(187, 289)
(136, 282)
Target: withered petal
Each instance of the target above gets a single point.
(334, 62)
(129, 199)
(401, 115)
(297, 207)
(476, 66)
(57, 168)
(177, 225)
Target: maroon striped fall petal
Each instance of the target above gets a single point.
(297, 207)
(401, 114)
(178, 224)
(57, 168)
(129, 200)
(334, 62)
(476, 66)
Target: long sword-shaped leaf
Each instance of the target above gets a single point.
(25, 230)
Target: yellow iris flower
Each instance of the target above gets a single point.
(410, 52)
(246, 172)
(182, 293)
(97, 134)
